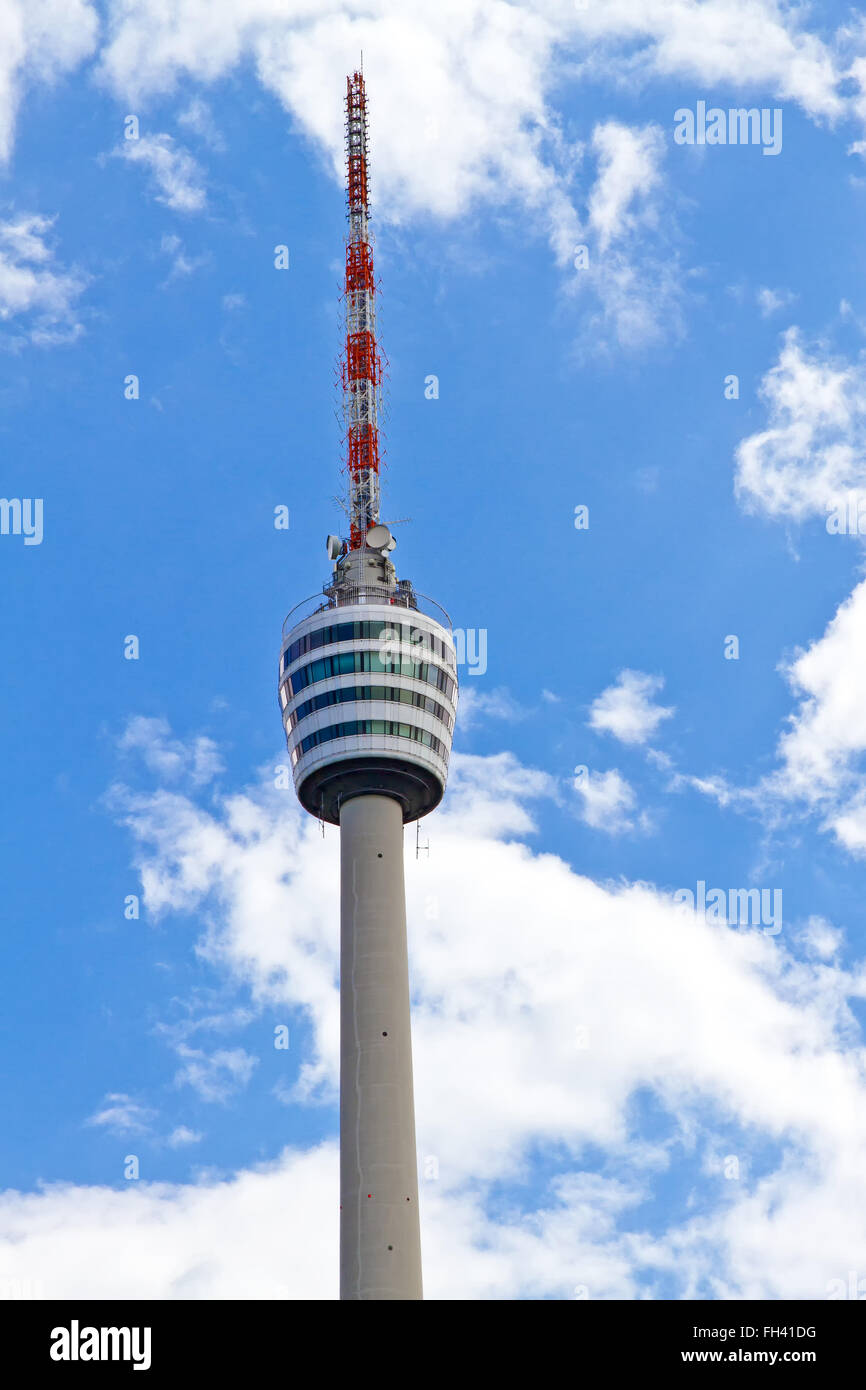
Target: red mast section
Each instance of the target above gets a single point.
(361, 363)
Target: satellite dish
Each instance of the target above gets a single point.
(334, 545)
(380, 538)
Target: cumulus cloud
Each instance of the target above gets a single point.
(633, 270)
(217, 1075)
(182, 264)
(821, 938)
(771, 301)
(811, 460)
(199, 118)
(626, 708)
(812, 454)
(175, 174)
(481, 125)
(482, 132)
(209, 1240)
(628, 160)
(478, 705)
(737, 43)
(122, 1115)
(183, 1136)
(544, 1004)
(500, 1007)
(606, 801)
(169, 757)
(442, 144)
(821, 751)
(35, 293)
(40, 41)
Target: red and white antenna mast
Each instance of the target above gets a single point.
(361, 363)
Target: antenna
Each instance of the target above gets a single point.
(361, 363)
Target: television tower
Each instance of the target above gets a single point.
(368, 690)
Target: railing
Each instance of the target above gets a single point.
(351, 595)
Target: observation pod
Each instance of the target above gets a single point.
(368, 690)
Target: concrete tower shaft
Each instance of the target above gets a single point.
(380, 1253)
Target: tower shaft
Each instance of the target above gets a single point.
(380, 1242)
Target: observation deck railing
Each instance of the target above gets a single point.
(351, 595)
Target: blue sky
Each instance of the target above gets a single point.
(567, 1163)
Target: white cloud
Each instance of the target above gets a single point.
(828, 730)
(822, 749)
(481, 126)
(40, 40)
(771, 301)
(737, 43)
(480, 123)
(199, 760)
(122, 1115)
(628, 160)
(199, 118)
(544, 1002)
(181, 263)
(441, 144)
(821, 938)
(212, 1239)
(478, 705)
(812, 454)
(479, 131)
(182, 1136)
(626, 709)
(32, 287)
(217, 1075)
(484, 131)
(177, 177)
(634, 269)
(607, 801)
(811, 459)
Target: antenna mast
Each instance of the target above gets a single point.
(361, 363)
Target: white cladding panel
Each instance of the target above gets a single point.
(411, 717)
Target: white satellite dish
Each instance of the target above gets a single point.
(334, 545)
(380, 538)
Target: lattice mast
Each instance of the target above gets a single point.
(361, 363)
